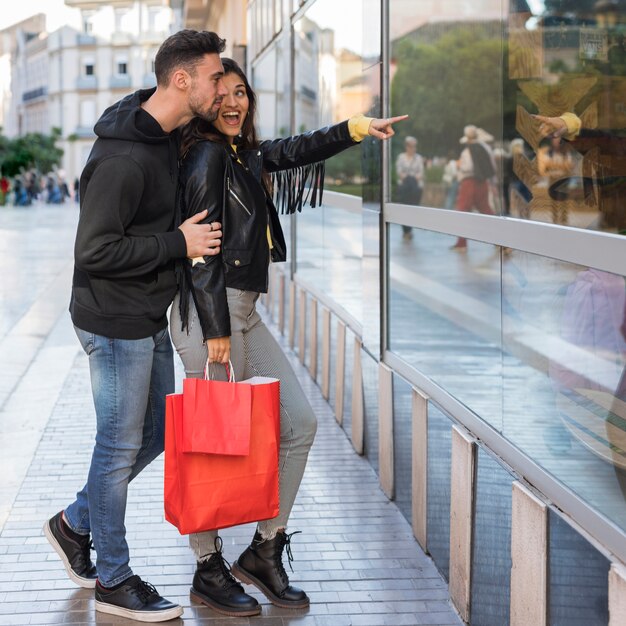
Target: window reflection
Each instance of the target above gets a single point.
(569, 60)
(446, 73)
(564, 336)
(567, 57)
(330, 83)
(445, 318)
(331, 86)
(534, 346)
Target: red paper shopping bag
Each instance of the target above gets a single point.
(212, 491)
(216, 416)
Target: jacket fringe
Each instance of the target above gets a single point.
(295, 187)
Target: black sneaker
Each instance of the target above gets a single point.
(73, 549)
(136, 599)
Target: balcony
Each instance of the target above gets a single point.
(149, 80)
(153, 36)
(85, 39)
(121, 81)
(84, 132)
(34, 94)
(121, 39)
(84, 83)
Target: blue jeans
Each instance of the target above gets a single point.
(129, 382)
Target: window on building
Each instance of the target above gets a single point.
(89, 68)
(122, 67)
(87, 113)
(158, 19)
(88, 22)
(122, 20)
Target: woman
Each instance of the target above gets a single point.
(226, 170)
(410, 172)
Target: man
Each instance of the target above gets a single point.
(124, 282)
(476, 167)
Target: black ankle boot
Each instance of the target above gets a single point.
(214, 585)
(261, 565)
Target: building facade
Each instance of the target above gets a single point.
(65, 79)
(476, 356)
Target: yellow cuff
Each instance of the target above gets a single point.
(359, 127)
(573, 124)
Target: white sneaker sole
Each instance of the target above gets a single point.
(140, 616)
(85, 583)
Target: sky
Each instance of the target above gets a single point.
(57, 13)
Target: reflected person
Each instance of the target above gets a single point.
(595, 308)
(410, 172)
(476, 169)
(604, 150)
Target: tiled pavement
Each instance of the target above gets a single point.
(356, 556)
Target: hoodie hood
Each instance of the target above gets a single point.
(126, 120)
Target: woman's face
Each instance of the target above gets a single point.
(234, 107)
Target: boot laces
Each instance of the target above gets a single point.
(219, 563)
(286, 543)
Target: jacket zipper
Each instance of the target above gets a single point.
(243, 206)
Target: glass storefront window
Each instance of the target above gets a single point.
(491, 550)
(563, 366)
(451, 68)
(330, 83)
(439, 475)
(446, 73)
(567, 58)
(444, 315)
(578, 584)
(402, 446)
(330, 86)
(534, 346)
(329, 255)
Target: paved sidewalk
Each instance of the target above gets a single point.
(356, 557)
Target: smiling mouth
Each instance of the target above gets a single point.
(231, 118)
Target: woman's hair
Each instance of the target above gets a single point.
(198, 129)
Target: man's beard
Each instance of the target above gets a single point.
(209, 115)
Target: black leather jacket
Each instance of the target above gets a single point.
(229, 184)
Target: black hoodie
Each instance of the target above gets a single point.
(126, 242)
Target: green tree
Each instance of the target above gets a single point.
(31, 150)
(456, 80)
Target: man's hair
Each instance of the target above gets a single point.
(185, 50)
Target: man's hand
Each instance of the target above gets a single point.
(554, 126)
(218, 349)
(382, 128)
(202, 239)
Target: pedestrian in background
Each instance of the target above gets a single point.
(124, 282)
(476, 168)
(410, 172)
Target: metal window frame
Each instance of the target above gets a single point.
(600, 250)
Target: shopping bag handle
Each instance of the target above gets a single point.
(230, 370)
